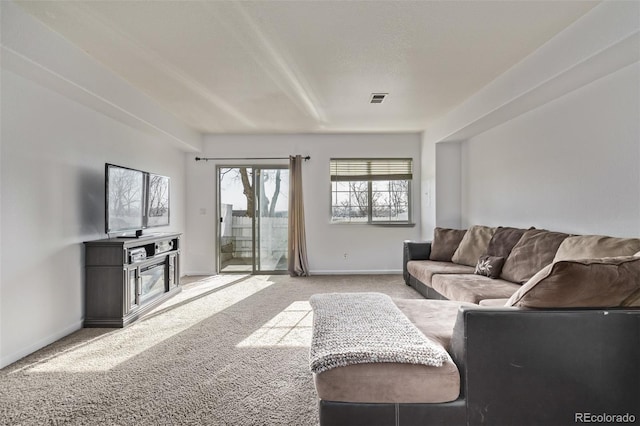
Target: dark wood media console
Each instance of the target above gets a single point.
(127, 277)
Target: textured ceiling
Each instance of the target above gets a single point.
(308, 66)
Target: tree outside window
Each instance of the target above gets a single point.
(370, 191)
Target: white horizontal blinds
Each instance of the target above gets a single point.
(355, 169)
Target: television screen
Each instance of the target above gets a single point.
(125, 199)
(158, 201)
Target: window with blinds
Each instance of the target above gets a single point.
(371, 190)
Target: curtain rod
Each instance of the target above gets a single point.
(247, 158)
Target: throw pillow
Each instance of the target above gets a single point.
(503, 240)
(588, 283)
(489, 266)
(473, 245)
(596, 246)
(445, 243)
(534, 251)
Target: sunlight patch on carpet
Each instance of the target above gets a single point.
(290, 328)
(109, 351)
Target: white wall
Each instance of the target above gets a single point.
(572, 165)
(448, 185)
(553, 142)
(427, 187)
(53, 156)
(369, 248)
(52, 179)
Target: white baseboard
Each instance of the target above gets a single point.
(11, 358)
(357, 272)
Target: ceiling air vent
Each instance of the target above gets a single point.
(377, 98)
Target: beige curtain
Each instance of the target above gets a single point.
(298, 263)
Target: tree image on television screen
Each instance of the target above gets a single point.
(125, 199)
(158, 213)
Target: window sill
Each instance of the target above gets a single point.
(378, 224)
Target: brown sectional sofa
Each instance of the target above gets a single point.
(518, 255)
(559, 335)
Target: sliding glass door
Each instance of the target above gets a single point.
(272, 219)
(253, 219)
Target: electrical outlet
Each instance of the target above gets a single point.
(345, 256)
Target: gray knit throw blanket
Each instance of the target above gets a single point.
(361, 328)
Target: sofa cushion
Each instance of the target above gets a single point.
(489, 266)
(588, 283)
(445, 243)
(473, 245)
(503, 241)
(472, 288)
(434, 318)
(423, 270)
(595, 246)
(633, 300)
(535, 250)
(389, 382)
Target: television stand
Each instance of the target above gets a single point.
(128, 277)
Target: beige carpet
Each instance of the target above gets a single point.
(235, 356)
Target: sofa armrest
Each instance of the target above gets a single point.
(533, 367)
(414, 250)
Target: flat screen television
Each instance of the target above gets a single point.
(134, 200)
